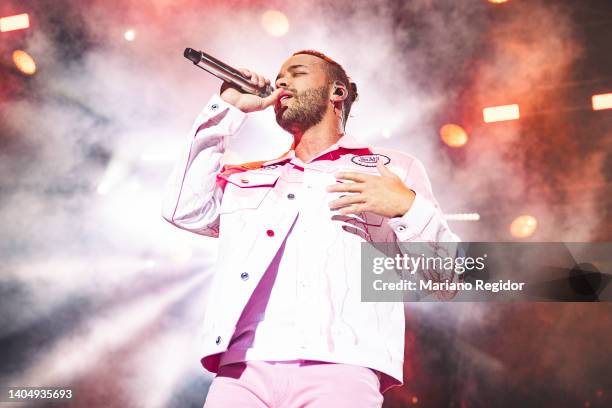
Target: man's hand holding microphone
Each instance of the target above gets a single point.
(248, 102)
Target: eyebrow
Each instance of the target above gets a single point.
(292, 67)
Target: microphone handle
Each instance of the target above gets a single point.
(225, 72)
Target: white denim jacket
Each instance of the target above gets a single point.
(251, 213)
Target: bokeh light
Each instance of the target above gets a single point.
(275, 23)
(129, 35)
(602, 101)
(24, 62)
(462, 216)
(523, 226)
(16, 22)
(453, 135)
(501, 113)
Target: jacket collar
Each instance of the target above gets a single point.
(285, 157)
(349, 142)
(345, 142)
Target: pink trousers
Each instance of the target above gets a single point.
(294, 384)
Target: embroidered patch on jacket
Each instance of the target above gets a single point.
(370, 160)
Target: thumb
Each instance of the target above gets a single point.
(383, 170)
(271, 99)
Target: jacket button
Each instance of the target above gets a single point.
(214, 106)
(270, 233)
(291, 196)
(218, 341)
(401, 228)
(244, 180)
(244, 275)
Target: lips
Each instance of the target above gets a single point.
(284, 95)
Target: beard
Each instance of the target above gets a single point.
(304, 111)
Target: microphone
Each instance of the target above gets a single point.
(225, 72)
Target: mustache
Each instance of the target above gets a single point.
(293, 91)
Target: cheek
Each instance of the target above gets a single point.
(298, 88)
(305, 84)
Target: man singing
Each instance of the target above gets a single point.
(285, 325)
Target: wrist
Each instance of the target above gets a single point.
(406, 203)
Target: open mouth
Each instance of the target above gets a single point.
(285, 94)
(280, 103)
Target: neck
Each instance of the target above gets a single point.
(317, 138)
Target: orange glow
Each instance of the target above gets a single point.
(497, 1)
(523, 226)
(414, 400)
(602, 101)
(453, 135)
(16, 22)
(501, 113)
(24, 62)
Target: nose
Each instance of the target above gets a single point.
(281, 83)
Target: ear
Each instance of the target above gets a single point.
(339, 92)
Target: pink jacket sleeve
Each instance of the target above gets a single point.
(192, 196)
(424, 222)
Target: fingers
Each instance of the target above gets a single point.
(259, 80)
(346, 200)
(350, 175)
(345, 188)
(255, 78)
(384, 170)
(271, 99)
(352, 209)
(245, 72)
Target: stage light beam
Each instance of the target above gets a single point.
(24, 62)
(602, 101)
(275, 23)
(453, 135)
(16, 22)
(501, 113)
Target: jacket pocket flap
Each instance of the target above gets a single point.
(246, 190)
(253, 179)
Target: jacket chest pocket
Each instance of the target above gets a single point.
(246, 190)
